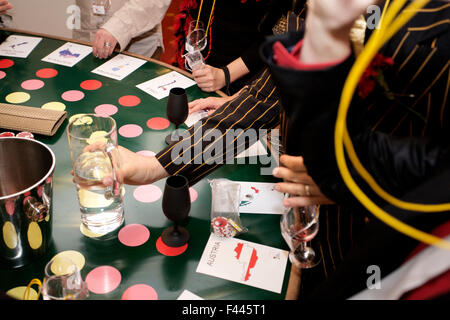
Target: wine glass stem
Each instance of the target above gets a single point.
(175, 229)
(176, 126)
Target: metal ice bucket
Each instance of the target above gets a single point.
(26, 170)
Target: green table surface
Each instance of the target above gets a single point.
(169, 276)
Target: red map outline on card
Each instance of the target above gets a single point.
(251, 263)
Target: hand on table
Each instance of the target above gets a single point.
(298, 184)
(104, 44)
(210, 104)
(209, 78)
(4, 6)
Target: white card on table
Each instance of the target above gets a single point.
(260, 197)
(159, 87)
(256, 149)
(69, 54)
(245, 262)
(187, 295)
(18, 46)
(119, 67)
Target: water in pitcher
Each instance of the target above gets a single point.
(101, 210)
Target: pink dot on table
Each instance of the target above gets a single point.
(193, 194)
(147, 193)
(140, 292)
(32, 84)
(158, 123)
(91, 84)
(130, 130)
(6, 63)
(2, 74)
(169, 251)
(72, 95)
(10, 206)
(106, 109)
(134, 235)
(146, 153)
(47, 73)
(103, 279)
(129, 101)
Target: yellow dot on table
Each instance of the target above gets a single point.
(81, 119)
(17, 97)
(34, 235)
(55, 105)
(18, 293)
(91, 199)
(73, 255)
(9, 235)
(61, 265)
(98, 136)
(88, 233)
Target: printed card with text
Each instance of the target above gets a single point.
(245, 262)
(260, 197)
(69, 54)
(119, 67)
(159, 87)
(18, 46)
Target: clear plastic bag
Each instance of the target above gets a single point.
(225, 219)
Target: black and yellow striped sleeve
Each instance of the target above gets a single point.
(218, 138)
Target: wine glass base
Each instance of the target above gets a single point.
(305, 259)
(175, 136)
(175, 238)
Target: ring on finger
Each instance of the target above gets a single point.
(307, 190)
(107, 44)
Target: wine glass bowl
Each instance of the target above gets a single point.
(177, 111)
(196, 39)
(176, 204)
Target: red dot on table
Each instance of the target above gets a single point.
(129, 101)
(147, 193)
(140, 292)
(158, 123)
(169, 251)
(32, 84)
(130, 131)
(91, 84)
(103, 279)
(47, 73)
(106, 109)
(134, 235)
(6, 63)
(2, 74)
(72, 95)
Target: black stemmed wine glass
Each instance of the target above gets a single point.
(176, 205)
(177, 111)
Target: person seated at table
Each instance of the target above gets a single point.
(235, 31)
(403, 143)
(132, 25)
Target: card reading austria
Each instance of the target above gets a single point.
(245, 262)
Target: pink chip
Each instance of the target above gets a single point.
(140, 292)
(147, 193)
(33, 84)
(103, 279)
(130, 131)
(134, 235)
(106, 110)
(25, 134)
(72, 95)
(2, 74)
(158, 123)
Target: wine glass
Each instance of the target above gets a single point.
(298, 227)
(176, 204)
(196, 41)
(177, 111)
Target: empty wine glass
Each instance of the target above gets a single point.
(176, 204)
(177, 111)
(298, 227)
(196, 41)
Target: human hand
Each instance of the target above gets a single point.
(130, 167)
(210, 104)
(209, 78)
(4, 6)
(298, 184)
(100, 47)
